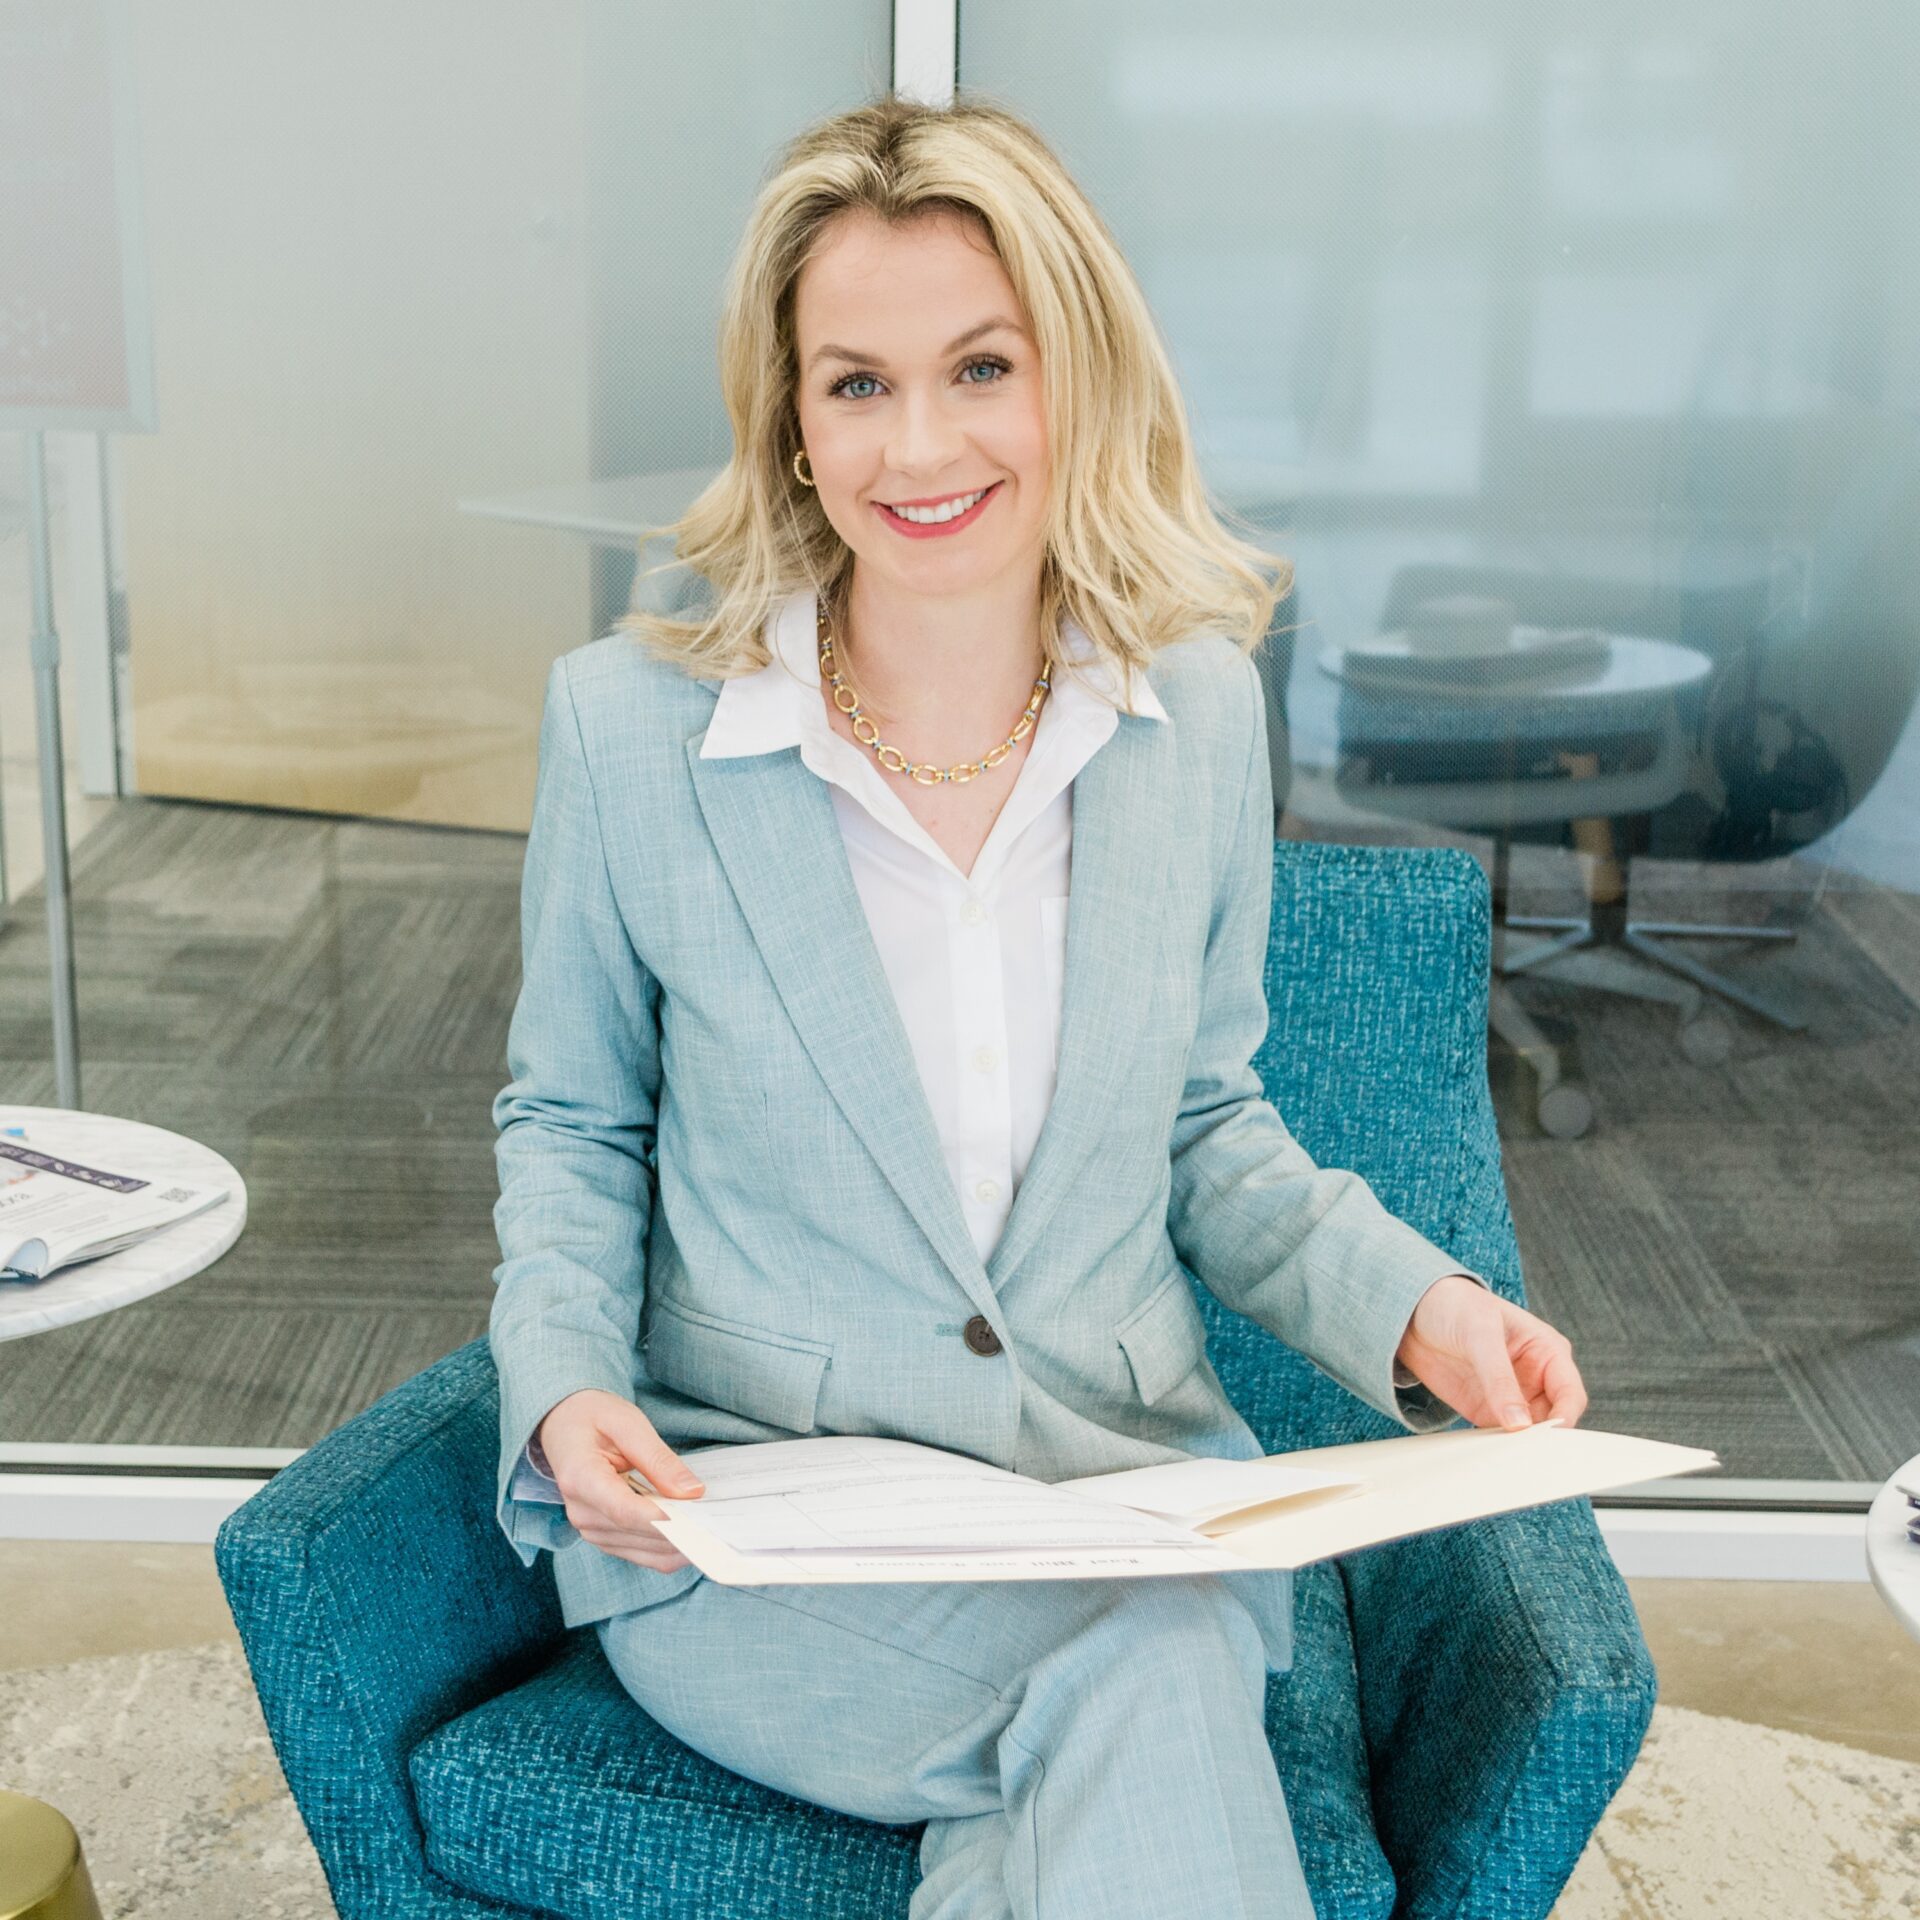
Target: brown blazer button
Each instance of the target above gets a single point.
(981, 1336)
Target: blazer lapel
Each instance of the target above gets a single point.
(773, 824)
(1123, 823)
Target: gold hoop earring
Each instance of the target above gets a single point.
(805, 479)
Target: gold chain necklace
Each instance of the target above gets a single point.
(923, 773)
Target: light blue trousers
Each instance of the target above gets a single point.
(1076, 1747)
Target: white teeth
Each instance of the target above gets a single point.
(932, 516)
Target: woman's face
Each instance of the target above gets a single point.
(919, 387)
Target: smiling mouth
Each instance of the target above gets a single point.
(938, 516)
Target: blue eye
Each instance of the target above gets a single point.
(839, 389)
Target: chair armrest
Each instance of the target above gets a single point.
(1505, 1688)
(376, 1598)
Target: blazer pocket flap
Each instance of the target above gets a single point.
(725, 1363)
(1164, 1337)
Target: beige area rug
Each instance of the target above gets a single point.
(163, 1764)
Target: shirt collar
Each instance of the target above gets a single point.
(780, 705)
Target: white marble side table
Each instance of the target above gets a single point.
(149, 1266)
(1893, 1559)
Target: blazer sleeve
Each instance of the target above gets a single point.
(576, 1128)
(1307, 1252)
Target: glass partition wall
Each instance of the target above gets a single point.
(433, 294)
(1571, 359)
(1574, 358)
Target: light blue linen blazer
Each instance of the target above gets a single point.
(722, 1193)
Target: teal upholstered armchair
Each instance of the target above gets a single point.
(1461, 1707)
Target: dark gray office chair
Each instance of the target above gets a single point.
(1816, 673)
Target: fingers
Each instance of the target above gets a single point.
(657, 1464)
(629, 1539)
(593, 1439)
(632, 1443)
(659, 1555)
(602, 1501)
(1506, 1404)
(1543, 1358)
(1565, 1390)
(618, 1516)
(663, 1468)
(670, 1563)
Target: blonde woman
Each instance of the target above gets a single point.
(893, 938)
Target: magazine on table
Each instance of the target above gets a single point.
(840, 1508)
(56, 1210)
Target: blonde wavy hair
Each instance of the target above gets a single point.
(1135, 553)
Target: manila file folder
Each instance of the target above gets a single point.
(1356, 1495)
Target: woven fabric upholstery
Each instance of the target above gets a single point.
(672, 1834)
(1375, 1056)
(1447, 723)
(562, 1796)
(1461, 1707)
(1504, 1682)
(1319, 1745)
(1505, 1689)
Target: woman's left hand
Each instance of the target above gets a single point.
(1494, 1362)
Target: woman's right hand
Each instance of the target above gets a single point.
(590, 1439)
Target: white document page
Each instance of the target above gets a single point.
(852, 1494)
(1407, 1485)
(734, 1569)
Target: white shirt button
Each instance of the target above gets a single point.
(972, 913)
(987, 1190)
(985, 1059)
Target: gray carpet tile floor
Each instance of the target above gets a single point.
(325, 1001)
(1735, 1249)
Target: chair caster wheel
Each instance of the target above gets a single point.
(1564, 1112)
(1707, 1040)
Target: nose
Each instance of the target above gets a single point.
(924, 440)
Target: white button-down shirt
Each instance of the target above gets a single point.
(975, 960)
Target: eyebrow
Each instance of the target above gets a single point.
(831, 352)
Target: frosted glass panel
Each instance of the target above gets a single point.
(433, 294)
(1573, 355)
(427, 281)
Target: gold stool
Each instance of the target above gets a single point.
(43, 1875)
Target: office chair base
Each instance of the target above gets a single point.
(1645, 944)
(1687, 930)
(1583, 955)
(1565, 1112)
(1647, 938)
(1674, 929)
